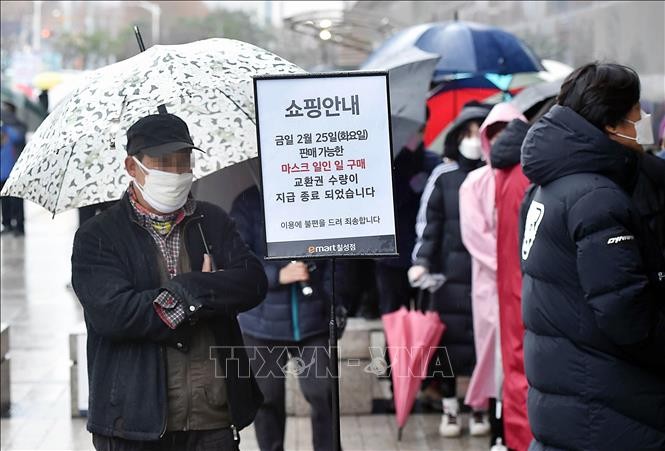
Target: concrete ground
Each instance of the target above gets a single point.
(41, 312)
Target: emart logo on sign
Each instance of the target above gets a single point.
(349, 247)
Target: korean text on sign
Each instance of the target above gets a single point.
(314, 108)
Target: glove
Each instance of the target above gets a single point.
(415, 273)
(431, 282)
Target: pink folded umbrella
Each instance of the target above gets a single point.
(412, 337)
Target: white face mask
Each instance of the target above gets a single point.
(470, 148)
(164, 191)
(643, 130)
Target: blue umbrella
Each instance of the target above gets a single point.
(464, 47)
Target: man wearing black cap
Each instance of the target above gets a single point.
(161, 278)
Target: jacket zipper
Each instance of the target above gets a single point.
(165, 415)
(185, 227)
(189, 395)
(234, 429)
(166, 402)
(236, 436)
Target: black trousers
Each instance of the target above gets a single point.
(212, 440)
(271, 358)
(12, 212)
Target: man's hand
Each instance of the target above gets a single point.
(293, 272)
(207, 263)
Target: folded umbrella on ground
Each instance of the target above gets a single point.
(412, 337)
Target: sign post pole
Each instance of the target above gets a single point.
(333, 362)
(324, 143)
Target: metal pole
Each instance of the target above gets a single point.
(334, 365)
(36, 25)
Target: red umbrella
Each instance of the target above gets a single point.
(445, 106)
(412, 337)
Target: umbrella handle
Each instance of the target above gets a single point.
(139, 38)
(207, 250)
(419, 301)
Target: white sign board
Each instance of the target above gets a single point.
(325, 150)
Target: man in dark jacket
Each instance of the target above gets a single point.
(594, 348)
(412, 167)
(292, 321)
(161, 278)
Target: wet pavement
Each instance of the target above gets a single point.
(42, 311)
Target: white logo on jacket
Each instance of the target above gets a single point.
(533, 219)
(618, 239)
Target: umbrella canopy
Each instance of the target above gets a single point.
(410, 75)
(445, 106)
(533, 95)
(222, 187)
(70, 80)
(449, 97)
(464, 47)
(76, 157)
(411, 337)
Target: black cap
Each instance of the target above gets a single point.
(157, 135)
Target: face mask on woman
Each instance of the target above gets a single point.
(470, 148)
(643, 130)
(164, 191)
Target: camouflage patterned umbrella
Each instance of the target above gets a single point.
(76, 157)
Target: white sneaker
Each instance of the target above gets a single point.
(479, 424)
(450, 421)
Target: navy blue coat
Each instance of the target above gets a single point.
(440, 249)
(116, 276)
(285, 314)
(592, 302)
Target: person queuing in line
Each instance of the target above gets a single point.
(592, 288)
(13, 142)
(510, 186)
(439, 249)
(166, 364)
(412, 167)
(478, 227)
(292, 321)
(649, 196)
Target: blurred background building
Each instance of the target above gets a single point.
(67, 37)
(327, 35)
(628, 32)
